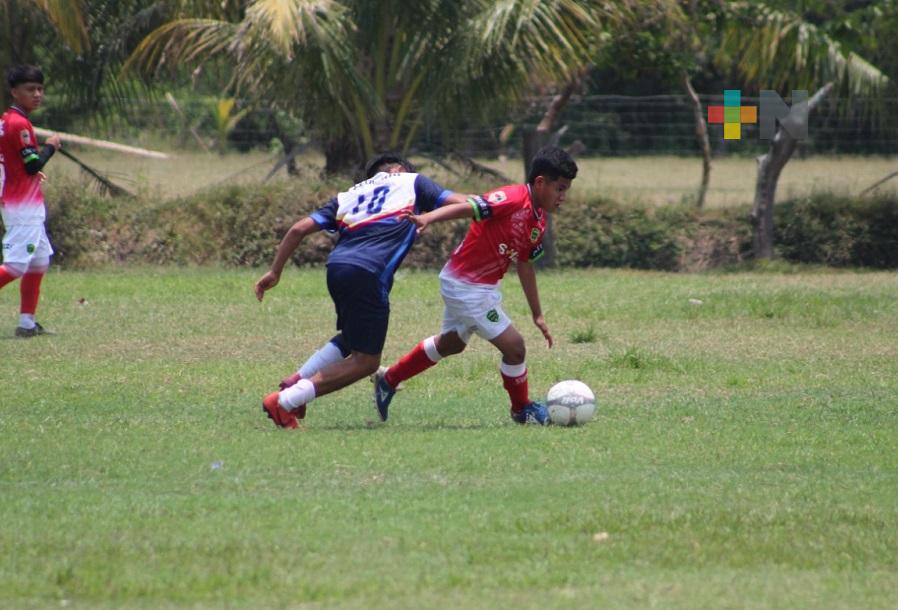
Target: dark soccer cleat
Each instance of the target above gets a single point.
(383, 393)
(26, 333)
(533, 413)
(281, 417)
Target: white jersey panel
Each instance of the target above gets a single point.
(381, 196)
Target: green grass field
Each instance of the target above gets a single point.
(744, 455)
(654, 180)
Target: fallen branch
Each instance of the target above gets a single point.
(479, 168)
(878, 183)
(73, 139)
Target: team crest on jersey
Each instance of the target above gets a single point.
(30, 248)
(534, 235)
(26, 136)
(497, 197)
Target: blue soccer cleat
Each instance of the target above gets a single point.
(383, 393)
(534, 413)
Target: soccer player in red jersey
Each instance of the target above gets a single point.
(508, 227)
(26, 248)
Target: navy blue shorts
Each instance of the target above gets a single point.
(363, 307)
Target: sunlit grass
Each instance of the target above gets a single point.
(744, 453)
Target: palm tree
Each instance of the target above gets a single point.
(780, 50)
(20, 17)
(757, 44)
(367, 75)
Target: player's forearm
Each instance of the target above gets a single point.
(453, 211)
(527, 275)
(290, 242)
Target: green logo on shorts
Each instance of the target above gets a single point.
(30, 248)
(492, 315)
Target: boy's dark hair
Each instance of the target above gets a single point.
(19, 74)
(384, 160)
(552, 163)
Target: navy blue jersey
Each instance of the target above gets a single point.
(372, 233)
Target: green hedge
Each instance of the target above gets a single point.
(839, 231)
(242, 225)
(674, 238)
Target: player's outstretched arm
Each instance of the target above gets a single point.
(527, 275)
(458, 206)
(285, 250)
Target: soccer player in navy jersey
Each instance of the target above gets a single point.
(374, 236)
(507, 228)
(26, 247)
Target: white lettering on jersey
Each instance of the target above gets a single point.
(504, 250)
(379, 197)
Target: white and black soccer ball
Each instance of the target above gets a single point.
(570, 403)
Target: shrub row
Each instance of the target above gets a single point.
(242, 225)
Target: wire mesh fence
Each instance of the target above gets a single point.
(597, 125)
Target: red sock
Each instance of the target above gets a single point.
(5, 276)
(416, 361)
(30, 289)
(517, 390)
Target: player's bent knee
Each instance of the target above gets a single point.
(450, 345)
(515, 353)
(366, 364)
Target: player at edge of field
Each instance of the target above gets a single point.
(26, 247)
(374, 237)
(509, 223)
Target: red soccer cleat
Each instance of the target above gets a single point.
(281, 417)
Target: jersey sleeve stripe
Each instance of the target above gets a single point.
(445, 194)
(322, 222)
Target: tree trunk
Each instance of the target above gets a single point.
(701, 134)
(770, 166)
(342, 155)
(535, 139)
(286, 141)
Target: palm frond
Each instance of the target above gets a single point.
(287, 23)
(774, 48)
(69, 18)
(182, 40)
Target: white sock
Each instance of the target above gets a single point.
(26, 320)
(430, 348)
(302, 392)
(325, 356)
(513, 370)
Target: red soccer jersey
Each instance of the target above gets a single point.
(20, 194)
(507, 230)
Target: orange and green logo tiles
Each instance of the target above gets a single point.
(732, 114)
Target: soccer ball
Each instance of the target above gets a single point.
(570, 403)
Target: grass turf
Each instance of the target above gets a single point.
(745, 451)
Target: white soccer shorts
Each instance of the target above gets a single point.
(472, 308)
(22, 243)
